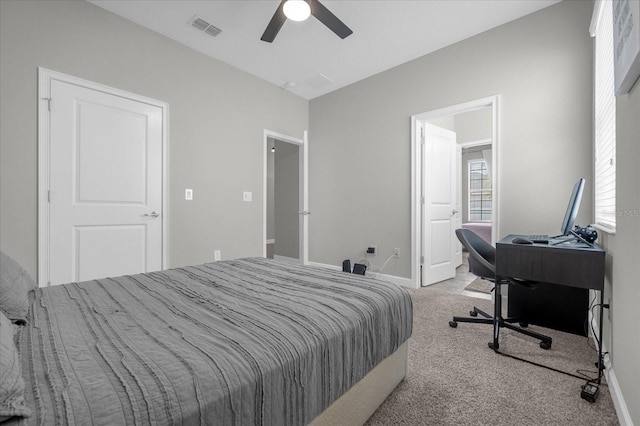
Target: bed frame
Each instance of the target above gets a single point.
(358, 404)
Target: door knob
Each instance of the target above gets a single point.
(152, 214)
(453, 212)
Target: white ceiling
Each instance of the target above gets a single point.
(385, 34)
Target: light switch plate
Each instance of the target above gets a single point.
(246, 196)
(188, 194)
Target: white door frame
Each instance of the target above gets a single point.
(303, 232)
(416, 171)
(45, 76)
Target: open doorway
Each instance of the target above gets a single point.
(285, 200)
(475, 199)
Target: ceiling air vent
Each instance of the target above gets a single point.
(203, 25)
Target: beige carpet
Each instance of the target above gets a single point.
(480, 285)
(455, 379)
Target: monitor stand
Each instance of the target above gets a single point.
(568, 238)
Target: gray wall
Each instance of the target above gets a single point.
(540, 66)
(623, 255)
(287, 199)
(474, 126)
(217, 115)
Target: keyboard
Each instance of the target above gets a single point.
(539, 239)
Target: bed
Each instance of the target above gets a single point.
(241, 342)
(483, 229)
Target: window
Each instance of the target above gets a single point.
(479, 192)
(604, 116)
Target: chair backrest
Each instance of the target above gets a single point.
(482, 255)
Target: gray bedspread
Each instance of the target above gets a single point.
(242, 342)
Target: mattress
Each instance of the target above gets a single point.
(482, 229)
(242, 342)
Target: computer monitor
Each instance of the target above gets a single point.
(572, 208)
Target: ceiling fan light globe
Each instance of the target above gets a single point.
(297, 10)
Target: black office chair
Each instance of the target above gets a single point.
(482, 260)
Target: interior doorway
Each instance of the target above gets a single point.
(475, 126)
(286, 199)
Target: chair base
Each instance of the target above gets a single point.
(485, 318)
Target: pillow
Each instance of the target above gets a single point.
(15, 283)
(11, 383)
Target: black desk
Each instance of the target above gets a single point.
(576, 266)
(565, 272)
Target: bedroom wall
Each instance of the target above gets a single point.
(623, 254)
(539, 65)
(216, 119)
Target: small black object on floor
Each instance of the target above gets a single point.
(358, 268)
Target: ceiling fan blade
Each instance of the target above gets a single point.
(275, 24)
(325, 16)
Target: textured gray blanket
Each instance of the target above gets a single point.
(242, 342)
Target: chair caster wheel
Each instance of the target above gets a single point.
(545, 345)
(453, 324)
(523, 324)
(494, 347)
(473, 313)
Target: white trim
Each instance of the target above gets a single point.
(416, 167)
(624, 417)
(393, 279)
(304, 189)
(595, 17)
(45, 76)
(479, 142)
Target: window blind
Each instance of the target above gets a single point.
(604, 116)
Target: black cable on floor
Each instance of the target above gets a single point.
(584, 377)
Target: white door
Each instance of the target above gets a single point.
(105, 184)
(441, 209)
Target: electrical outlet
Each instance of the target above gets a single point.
(372, 250)
(217, 255)
(188, 194)
(396, 252)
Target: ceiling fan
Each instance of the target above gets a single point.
(313, 7)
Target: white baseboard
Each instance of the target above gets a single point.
(624, 417)
(401, 281)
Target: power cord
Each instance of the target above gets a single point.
(375, 268)
(589, 391)
(582, 376)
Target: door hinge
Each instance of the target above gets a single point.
(422, 199)
(48, 103)
(422, 259)
(48, 196)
